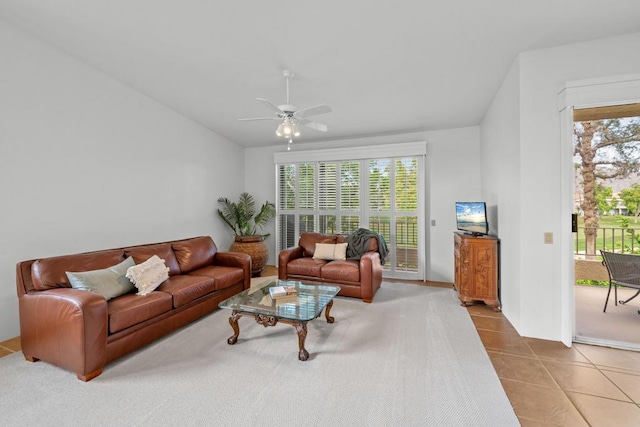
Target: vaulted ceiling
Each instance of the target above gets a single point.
(384, 67)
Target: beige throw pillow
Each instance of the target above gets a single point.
(148, 275)
(330, 251)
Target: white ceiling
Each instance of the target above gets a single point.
(383, 66)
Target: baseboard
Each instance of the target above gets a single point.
(607, 343)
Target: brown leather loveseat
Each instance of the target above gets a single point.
(81, 331)
(359, 278)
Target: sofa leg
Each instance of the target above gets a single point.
(31, 358)
(367, 300)
(90, 376)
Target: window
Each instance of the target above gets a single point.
(327, 197)
(340, 196)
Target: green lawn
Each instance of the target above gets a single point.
(614, 221)
(611, 232)
(610, 237)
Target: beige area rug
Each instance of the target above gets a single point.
(411, 358)
(619, 325)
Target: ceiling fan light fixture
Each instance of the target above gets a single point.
(287, 128)
(289, 115)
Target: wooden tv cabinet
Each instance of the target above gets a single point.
(476, 269)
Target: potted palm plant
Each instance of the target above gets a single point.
(244, 220)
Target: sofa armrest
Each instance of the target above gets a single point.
(236, 259)
(66, 327)
(284, 257)
(370, 275)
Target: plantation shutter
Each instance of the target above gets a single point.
(327, 197)
(406, 211)
(379, 187)
(307, 197)
(380, 197)
(349, 196)
(287, 191)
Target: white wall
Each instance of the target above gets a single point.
(501, 164)
(542, 73)
(448, 182)
(454, 168)
(87, 163)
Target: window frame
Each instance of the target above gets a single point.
(362, 155)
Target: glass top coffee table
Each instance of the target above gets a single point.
(256, 301)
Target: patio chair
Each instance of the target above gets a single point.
(624, 270)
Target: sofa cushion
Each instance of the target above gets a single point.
(50, 273)
(131, 309)
(347, 271)
(148, 275)
(163, 250)
(194, 253)
(224, 277)
(109, 282)
(186, 288)
(308, 242)
(305, 267)
(330, 251)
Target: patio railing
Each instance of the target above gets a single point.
(622, 240)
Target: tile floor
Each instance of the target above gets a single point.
(547, 383)
(550, 384)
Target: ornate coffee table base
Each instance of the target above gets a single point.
(301, 327)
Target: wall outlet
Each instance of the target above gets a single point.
(548, 238)
(433, 222)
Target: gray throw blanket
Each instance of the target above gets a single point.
(358, 243)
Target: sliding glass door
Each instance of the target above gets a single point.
(383, 195)
(394, 211)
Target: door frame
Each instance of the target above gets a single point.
(600, 92)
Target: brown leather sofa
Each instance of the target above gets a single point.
(81, 331)
(357, 278)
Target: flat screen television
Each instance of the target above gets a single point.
(471, 217)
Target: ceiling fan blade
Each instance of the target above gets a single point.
(271, 105)
(314, 125)
(313, 111)
(259, 118)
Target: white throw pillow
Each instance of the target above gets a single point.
(330, 251)
(148, 275)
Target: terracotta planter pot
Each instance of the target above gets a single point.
(256, 248)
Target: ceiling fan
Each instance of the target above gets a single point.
(291, 116)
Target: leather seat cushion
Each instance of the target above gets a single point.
(186, 288)
(163, 250)
(194, 253)
(224, 277)
(308, 242)
(305, 267)
(49, 273)
(347, 270)
(131, 309)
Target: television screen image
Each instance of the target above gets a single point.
(471, 217)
